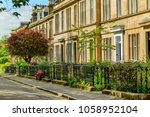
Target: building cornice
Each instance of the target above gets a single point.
(93, 24)
(125, 16)
(57, 7)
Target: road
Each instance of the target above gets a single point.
(10, 90)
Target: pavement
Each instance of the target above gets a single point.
(59, 90)
(10, 90)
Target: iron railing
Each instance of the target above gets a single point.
(129, 80)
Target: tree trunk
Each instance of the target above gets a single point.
(27, 59)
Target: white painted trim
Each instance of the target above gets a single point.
(116, 29)
(121, 35)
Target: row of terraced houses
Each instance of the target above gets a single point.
(127, 22)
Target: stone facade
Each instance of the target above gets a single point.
(127, 25)
(66, 42)
(129, 32)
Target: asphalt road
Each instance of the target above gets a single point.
(10, 90)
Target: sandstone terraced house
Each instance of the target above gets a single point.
(66, 13)
(127, 25)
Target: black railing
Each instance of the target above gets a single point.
(134, 79)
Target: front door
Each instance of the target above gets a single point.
(118, 44)
(148, 44)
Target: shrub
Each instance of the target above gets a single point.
(39, 75)
(123, 76)
(3, 60)
(73, 82)
(43, 63)
(21, 63)
(104, 63)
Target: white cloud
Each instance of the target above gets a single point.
(9, 22)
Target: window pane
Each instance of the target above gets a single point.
(130, 6)
(57, 23)
(57, 53)
(62, 53)
(68, 18)
(119, 8)
(82, 13)
(51, 28)
(134, 5)
(62, 21)
(148, 4)
(75, 15)
(107, 12)
(134, 47)
(69, 52)
(130, 46)
(91, 11)
(75, 52)
(138, 46)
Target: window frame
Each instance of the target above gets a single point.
(62, 21)
(133, 9)
(119, 8)
(134, 42)
(148, 4)
(83, 13)
(76, 15)
(57, 23)
(68, 18)
(106, 10)
(107, 51)
(91, 11)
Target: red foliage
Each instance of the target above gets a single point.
(27, 44)
(39, 75)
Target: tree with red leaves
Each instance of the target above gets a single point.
(27, 44)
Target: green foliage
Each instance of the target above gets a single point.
(104, 63)
(93, 38)
(123, 76)
(99, 87)
(7, 5)
(19, 3)
(74, 82)
(3, 51)
(3, 60)
(144, 90)
(148, 61)
(7, 64)
(43, 62)
(21, 63)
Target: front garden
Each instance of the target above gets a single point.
(126, 77)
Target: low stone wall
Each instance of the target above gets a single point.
(127, 95)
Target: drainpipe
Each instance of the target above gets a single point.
(98, 20)
(78, 57)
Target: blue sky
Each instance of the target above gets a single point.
(9, 22)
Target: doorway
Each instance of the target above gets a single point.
(148, 43)
(119, 47)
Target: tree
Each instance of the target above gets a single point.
(91, 38)
(6, 5)
(3, 51)
(27, 44)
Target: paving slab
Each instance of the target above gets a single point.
(64, 91)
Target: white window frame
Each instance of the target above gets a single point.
(121, 35)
